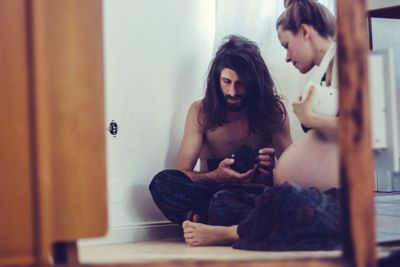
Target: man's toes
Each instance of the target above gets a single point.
(188, 229)
(190, 225)
(192, 242)
(188, 235)
(185, 224)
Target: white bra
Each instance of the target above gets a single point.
(326, 98)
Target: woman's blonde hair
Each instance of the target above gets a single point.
(308, 12)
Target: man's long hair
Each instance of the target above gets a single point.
(264, 109)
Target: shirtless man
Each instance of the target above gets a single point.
(240, 107)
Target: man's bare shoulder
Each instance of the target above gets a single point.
(195, 106)
(194, 117)
(194, 110)
(283, 123)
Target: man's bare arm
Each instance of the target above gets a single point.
(282, 138)
(192, 140)
(222, 174)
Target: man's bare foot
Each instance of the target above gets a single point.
(198, 234)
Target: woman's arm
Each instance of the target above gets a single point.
(326, 125)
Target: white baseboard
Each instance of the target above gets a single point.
(136, 233)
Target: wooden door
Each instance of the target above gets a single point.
(53, 186)
(17, 207)
(69, 104)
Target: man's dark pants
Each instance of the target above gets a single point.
(176, 195)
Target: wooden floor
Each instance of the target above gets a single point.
(388, 228)
(178, 250)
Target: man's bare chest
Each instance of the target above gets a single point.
(224, 141)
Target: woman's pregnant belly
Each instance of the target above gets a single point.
(311, 161)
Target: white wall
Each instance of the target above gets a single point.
(156, 59)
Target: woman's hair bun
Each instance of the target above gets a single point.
(289, 2)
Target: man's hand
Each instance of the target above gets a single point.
(303, 107)
(224, 173)
(265, 160)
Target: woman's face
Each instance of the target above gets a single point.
(298, 49)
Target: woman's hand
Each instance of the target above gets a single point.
(303, 107)
(224, 173)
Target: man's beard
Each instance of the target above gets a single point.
(239, 106)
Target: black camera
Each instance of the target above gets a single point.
(245, 158)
